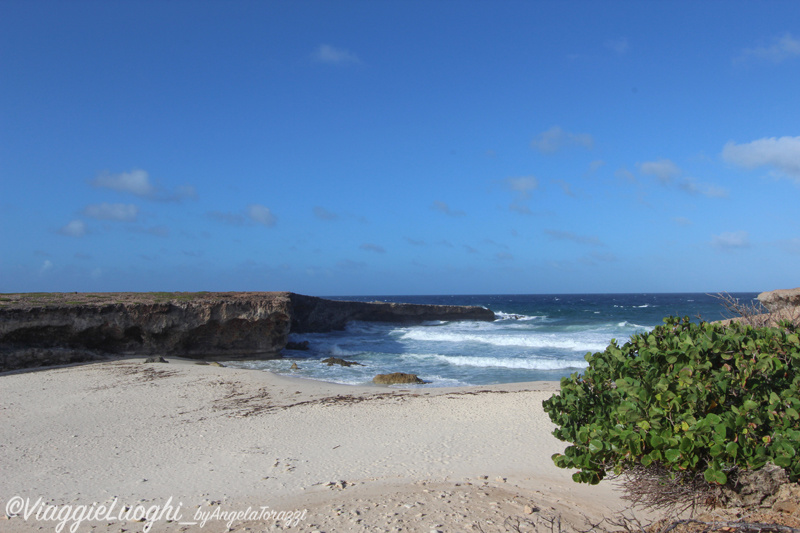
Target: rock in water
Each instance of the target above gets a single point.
(338, 361)
(295, 367)
(397, 377)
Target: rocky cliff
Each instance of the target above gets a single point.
(776, 301)
(57, 328)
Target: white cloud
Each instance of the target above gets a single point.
(619, 46)
(326, 53)
(782, 48)
(731, 240)
(47, 265)
(663, 169)
(444, 208)
(105, 211)
(556, 138)
(682, 221)
(135, 182)
(522, 185)
(74, 228)
(782, 153)
(261, 215)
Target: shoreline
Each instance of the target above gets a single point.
(226, 438)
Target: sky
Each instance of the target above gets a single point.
(399, 147)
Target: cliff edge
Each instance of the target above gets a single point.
(38, 329)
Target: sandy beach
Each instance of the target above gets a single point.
(223, 449)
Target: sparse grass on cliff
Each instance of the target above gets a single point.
(37, 299)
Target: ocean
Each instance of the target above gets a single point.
(535, 338)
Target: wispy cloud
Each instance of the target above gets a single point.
(779, 50)
(349, 264)
(105, 211)
(619, 45)
(731, 240)
(323, 214)
(663, 169)
(444, 208)
(414, 242)
(522, 187)
(555, 139)
(254, 214)
(261, 215)
(566, 187)
(370, 247)
(137, 182)
(561, 235)
(595, 165)
(711, 191)
(330, 55)
(666, 172)
(74, 228)
(623, 174)
(593, 258)
(783, 154)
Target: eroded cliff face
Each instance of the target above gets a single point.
(58, 328)
(208, 326)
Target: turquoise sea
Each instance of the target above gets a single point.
(535, 337)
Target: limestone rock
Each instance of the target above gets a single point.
(57, 328)
(396, 377)
(156, 360)
(756, 488)
(775, 301)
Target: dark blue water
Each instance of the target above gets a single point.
(536, 337)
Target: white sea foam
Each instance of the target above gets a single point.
(528, 341)
(516, 316)
(506, 362)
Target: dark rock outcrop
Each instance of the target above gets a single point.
(396, 378)
(60, 328)
(330, 361)
(312, 314)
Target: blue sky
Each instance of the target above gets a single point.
(411, 147)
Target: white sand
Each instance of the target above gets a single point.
(224, 439)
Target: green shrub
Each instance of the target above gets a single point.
(687, 397)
